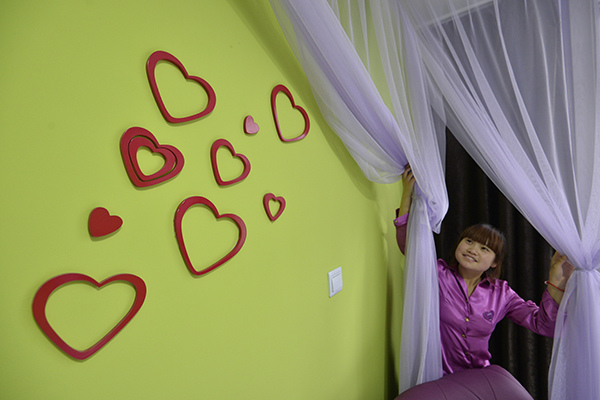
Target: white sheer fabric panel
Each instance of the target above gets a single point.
(334, 71)
(383, 126)
(521, 84)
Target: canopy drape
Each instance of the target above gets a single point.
(520, 84)
(517, 83)
(344, 49)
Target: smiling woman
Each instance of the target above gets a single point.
(472, 297)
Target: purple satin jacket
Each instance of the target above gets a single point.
(466, 323)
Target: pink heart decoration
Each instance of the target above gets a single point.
(213, 158)
(137, 137)
(182, 209)
(250, 127)
(44, 292)
(285, 90)
(266, 203)
(101, 223)
(151, 69)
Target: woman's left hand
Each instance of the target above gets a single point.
(560, 272)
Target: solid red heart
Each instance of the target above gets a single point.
(137, 137)
(101, 223)
(44, 292)
(213, 158)
(151, 71)
(266, 203)
(179, 214)
(276, 90)
(250, 127)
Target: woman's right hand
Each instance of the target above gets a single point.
(408, 184)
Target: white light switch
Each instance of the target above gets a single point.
(335, 281)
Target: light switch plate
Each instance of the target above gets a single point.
(335, 281)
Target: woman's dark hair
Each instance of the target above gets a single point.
(490, 237)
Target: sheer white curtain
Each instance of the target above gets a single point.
(521, 85)
(345, 48)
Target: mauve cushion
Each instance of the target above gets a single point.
(493, 382)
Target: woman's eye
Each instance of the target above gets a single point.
(485, 248)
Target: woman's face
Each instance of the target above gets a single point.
(474, 258)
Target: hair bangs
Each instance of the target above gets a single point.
(486, 235)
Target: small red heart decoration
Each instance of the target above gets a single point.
(266, 203)
(250, 127)
(285, 90)
(182, 209)
(101, 223)
(213, 158)
(137, 137)
(151, 69)
(44, 292)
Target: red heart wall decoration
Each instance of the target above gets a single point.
(151, 71)
(276, 90)
(213, 158)
(137, 137)
(250, 127)
(101, 223)
(179, 214)
(44, 292)
(266, 203)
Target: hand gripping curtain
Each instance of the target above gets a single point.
(381, 138)
(520, 81)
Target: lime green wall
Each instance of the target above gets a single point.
(262, 326)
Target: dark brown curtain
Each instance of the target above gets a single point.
(474, 199)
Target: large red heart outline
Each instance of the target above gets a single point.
(137, 137)
(215, 167)
(44, 292)
(266, 203)
(151, 72)
(276, 90)
(101, 223)
(179, 214)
